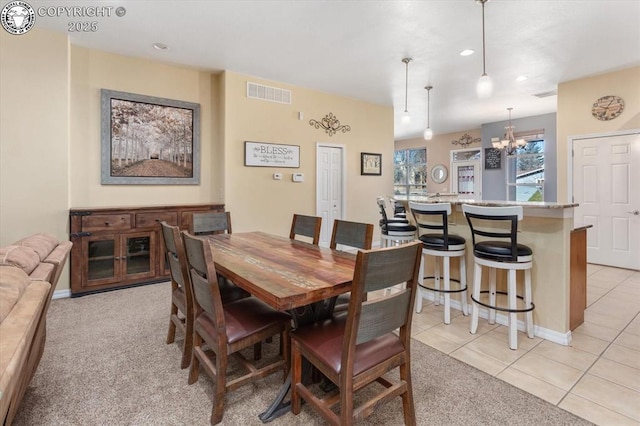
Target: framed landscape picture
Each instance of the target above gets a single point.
(149, 140)
(370, 164)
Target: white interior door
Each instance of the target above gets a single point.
(604, 172)
(466, 179)
(330, 187)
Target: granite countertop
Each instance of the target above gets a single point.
(437, 198)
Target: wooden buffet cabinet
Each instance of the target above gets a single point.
(118, 247)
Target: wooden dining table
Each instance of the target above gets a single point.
(289, 275)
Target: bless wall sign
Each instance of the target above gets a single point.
(271, 155)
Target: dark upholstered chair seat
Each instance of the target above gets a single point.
(394, 220)
(436, 241)
(501, 251)
(398, 227)
(324, 340)
(243, 318)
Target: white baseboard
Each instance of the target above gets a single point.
(544, 333)
(61, 294)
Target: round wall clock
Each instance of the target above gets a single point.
(607, 108)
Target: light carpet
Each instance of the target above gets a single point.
(106, 363)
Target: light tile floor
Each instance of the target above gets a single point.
(596, 378)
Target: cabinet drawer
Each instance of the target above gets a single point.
(106, 222)
(151, 220)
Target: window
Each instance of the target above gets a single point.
(525, 169)
(410, 172)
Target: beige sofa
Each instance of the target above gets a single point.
(29, 271)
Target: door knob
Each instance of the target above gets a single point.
(635, 212)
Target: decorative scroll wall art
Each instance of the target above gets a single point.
(330, 124)
(465, 140)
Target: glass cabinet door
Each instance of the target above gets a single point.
(139, 255)
(103, 261)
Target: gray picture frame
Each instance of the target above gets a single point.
(147, 137)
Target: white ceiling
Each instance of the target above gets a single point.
(355, 48)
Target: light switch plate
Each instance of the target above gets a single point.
(298, 177)
(277, 176)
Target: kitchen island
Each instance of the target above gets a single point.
(559, 261)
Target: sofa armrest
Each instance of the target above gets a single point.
(58, 258)
(18, 330)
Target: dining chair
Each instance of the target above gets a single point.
(349, 235)
(181, 316)
(206, 223)
(308, 226)
(432, 220)
(396, 230)
(352, 234)
(359, 348)
(226, 329)
(501, 252)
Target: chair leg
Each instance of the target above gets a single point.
(477, 281)
(296, 378)
(513, 316)
(187, 349)
(436, 272)
(527, 301)
(492, 295)
(463, 284)
(420, 294)
(194, 371)
(446, 264)
(171, 334)
(219, 388)
(408, 408)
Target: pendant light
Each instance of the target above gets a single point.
(406, 118)
(484, 87)
(428, 133)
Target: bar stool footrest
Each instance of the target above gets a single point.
(452, 280)
(500, 308)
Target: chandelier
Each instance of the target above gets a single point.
(509, 144)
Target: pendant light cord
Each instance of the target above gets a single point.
(406, 82)
(484, 64)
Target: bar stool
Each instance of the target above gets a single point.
(504, 253)
(441, 245)
(394, 231)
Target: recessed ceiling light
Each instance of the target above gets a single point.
(466, 52)
(160, 46)
(522, 78)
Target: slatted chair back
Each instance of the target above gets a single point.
(352, 234)
(211, 223)
(376, 270)
(499, 223)
(308, 226)
(181, 290)
(432, 217)
(206, 291)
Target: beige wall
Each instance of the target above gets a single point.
(574, 118)
(34, 135)
(256, 201)
(439, 152)
(93, 70)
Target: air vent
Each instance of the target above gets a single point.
(268, 93)
(546, 94)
